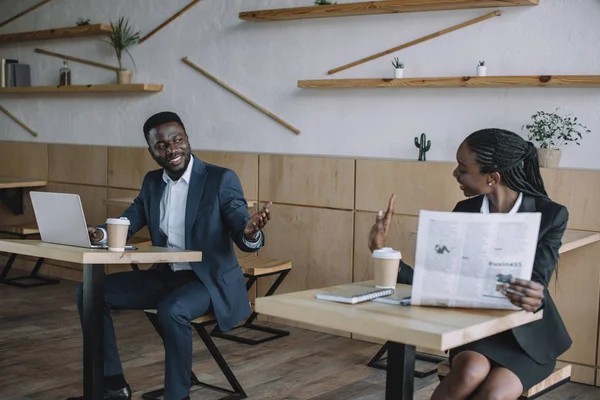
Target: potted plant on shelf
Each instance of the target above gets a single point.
(550, 131)
(398, 68)
(481, 69)
(323, 2)
(121, 39)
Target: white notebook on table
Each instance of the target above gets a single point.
(355, 294)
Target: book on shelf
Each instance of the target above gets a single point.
(14, 74)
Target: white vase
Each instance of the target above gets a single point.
(481, 71)
(549, 158)
(124, 76)
(399, 73)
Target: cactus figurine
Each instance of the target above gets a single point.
(423, 148)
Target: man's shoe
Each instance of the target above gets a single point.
(120, 394)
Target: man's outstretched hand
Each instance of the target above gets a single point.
(258, 221)
(96, 235)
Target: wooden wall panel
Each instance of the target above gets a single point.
(245, 165)
(92, 200)
(86, 165)
(314, 181)
(24, 160)
(401, 237)
(579, 191)
(114, 211)
(318, 241)
(578, 272)
(417, 185)
(127, 166)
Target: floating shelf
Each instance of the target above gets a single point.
(133, 87)
(452, 82)
(59, 33)
(376, 7)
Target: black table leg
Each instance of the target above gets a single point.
(400, 379)
(93, 331)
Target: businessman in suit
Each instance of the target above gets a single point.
(186, 204)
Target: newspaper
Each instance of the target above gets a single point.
(463, 259)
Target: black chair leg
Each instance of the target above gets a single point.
(249, 324)
(235, 394)
(135, 267)
(22, 281)
(380, 362)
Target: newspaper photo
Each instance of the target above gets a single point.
(464, 259)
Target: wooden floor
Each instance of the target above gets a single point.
(40, 357)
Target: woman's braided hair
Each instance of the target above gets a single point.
(505, 152)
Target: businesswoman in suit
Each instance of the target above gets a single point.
(499, 173)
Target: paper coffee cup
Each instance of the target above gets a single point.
(386, 262)
(117, 229)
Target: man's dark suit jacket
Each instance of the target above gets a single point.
(546, 339)
(216, 213)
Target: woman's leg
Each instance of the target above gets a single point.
(469, 370)
(500, 384)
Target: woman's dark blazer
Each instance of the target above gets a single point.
(546, 339)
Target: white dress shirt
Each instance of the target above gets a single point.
(172, 215)
(485, 205)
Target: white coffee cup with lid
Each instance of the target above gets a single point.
(117, 229)
(386, 262)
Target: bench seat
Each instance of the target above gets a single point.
(253, 265)
(560, 376)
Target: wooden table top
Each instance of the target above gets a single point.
(429, 327)
(12, 183)
(126, 202)
(80, 255)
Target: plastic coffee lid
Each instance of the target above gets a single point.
(118, 221)
(387, 253)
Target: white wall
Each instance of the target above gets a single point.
(265, 60)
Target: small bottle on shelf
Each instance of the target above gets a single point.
(65, 75)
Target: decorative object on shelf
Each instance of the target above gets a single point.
(121, 39)
(323, 2)
(416, 41)
(398, 68)
(481, 69)
(58, 33)
(27, 11)
(351, 9)
(82, 22)
(424, 145)
(14, 74)
(550, 131)
(582, 81)
(167, 22)
(65, 74)
(18, 121)
(241, 96)
(114, 88)
(76, 59)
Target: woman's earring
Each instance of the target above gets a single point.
(489, 183)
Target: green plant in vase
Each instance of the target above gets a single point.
(550, 132)
(323, 2)
(121, 39)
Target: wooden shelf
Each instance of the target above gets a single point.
(451, 82)
(133, 87)
(59, 33)
(376, 7)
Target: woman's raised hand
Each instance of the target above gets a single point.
(381, 228)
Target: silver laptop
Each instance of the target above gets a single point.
(60, 219)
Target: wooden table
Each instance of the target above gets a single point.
(404, 327)
(11, 192)
(126, 202)
(94, 262)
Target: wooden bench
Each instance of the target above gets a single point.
(23, 231)
(199, 324)
(560, 376)
(255, 267)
